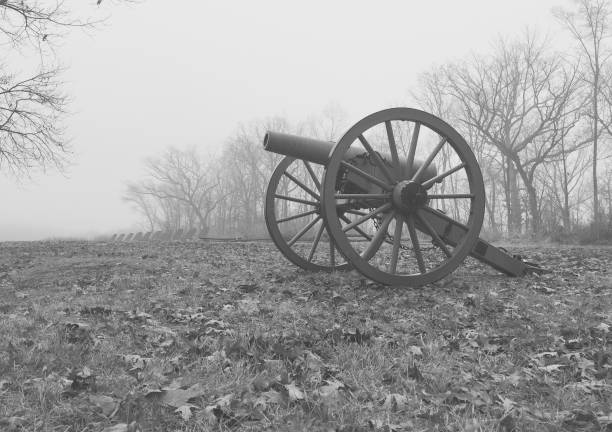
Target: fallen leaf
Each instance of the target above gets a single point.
(313, 361)
(137, 315)
(178, 397)
(580, 419)
(82, 379)
(13, 423)
(119, 427)
(248, 288)
(249, 306)
(395, 402)
(508, 404)
(77, 332)
(605, 420)
(415, 373)
(590, 387)
(294, 392)
(266, 398)
(551, 368)
(135, 361)
(261, 383)
(507, 423)
(337, 299)
(415, 350)
(185, 411)
(106, 403)
(225, 401)
(331, 389)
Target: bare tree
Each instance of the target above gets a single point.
(589, 25)
(328, 125)
(33, 106)
(521, 100)
(30, 129)
(247, 169)
(433, 96)
(183, 185)
(145, 204)
(561, 179)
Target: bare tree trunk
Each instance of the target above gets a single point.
(534, 208)
(566, 205)
(514, 200)
(590, 27)
(595, 139)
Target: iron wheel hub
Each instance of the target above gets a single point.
(409, 196)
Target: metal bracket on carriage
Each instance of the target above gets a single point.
(530, 267)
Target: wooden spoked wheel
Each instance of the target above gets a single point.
(293, 217)
(412, 167)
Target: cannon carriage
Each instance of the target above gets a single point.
(400, 198)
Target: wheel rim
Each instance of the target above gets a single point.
(293, 217)
(397, 196)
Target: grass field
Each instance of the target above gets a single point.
(230, 336)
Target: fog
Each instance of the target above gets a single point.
(188, 73)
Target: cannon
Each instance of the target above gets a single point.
(399, 198)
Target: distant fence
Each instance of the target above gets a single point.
(143, 236)
(173, 235)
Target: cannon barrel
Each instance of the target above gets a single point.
(318, 151)
(308, 149)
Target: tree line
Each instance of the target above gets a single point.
(538, 120)
(224, 195)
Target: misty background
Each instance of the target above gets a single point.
(207, 78)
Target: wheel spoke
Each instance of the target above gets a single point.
(381, 164)
(429, 183)
(300, 234)
(302, 185)
(362, 196)
(367, 176)
(359, 230)
(315, 242)
(393, 149)
(434, 235)
(366, 217)
(297, 216)
(397, 239)
(425, 165)
(297, 200)
(378, 238)
(313, 176)
(355, 212)
(412, 149)
(332, 252)
(415, 244)
(450, 196)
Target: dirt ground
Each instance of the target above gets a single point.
(214, 336)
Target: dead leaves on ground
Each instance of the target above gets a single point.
(468, 353)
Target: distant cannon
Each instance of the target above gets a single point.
(400, 196)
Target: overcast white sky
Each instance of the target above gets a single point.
(188, 72)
